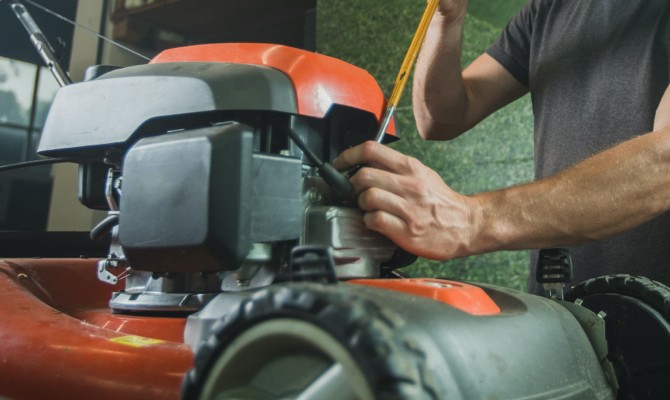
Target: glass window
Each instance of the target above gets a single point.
(46, 91)
(13, 142)
(26, 93)
(17, 81)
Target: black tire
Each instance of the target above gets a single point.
(637, 323)
(324, 327)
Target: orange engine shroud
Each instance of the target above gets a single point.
(320, 81)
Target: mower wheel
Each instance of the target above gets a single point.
(637, 324)
(307, 341)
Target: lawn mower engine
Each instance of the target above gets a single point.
(212, 163)
(192, 155)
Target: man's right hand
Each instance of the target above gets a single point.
(409, 203)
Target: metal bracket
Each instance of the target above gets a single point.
(105, 276)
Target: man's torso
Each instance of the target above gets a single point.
(597, 70)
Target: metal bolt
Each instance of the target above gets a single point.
(314, 196)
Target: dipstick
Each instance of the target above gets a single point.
(406, 68)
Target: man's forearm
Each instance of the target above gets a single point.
(604, 195)
(438, 93)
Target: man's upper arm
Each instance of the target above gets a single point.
(662, 118)
(489, 87)
(500, 75)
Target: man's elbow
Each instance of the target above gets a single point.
(434, 130)
(439, 124)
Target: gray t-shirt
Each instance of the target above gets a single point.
(596, 70)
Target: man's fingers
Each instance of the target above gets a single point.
(371, 153)
(361, 154)
(368, 178)
(386, 224)
(376, 199)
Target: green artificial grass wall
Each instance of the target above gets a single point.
(375, 35)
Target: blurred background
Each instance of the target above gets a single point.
(372, 34)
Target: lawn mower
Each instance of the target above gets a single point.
(239, 268)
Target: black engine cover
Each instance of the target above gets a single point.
(114, 110)
(192, 200)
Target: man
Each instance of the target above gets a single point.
(598, 73)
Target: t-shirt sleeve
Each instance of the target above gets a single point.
(512, 48)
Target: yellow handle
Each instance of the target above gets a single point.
(412, 52)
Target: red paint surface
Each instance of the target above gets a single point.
(465, 297)
(55, 333)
